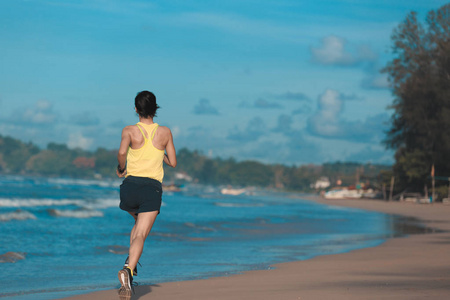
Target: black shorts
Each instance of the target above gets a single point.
(140, 194)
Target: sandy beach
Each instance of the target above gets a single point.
(412, 267)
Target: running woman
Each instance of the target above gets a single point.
(143, 149)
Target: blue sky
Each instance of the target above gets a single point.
(290, 82)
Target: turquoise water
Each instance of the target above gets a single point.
(74, 238)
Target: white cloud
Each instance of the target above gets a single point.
(332, 52)
(282, 142)
(327, 122)
(77, 140)
(335, 51)
(40, 114)
(176, 131)
(375, 80)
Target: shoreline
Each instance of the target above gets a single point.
(412, 267)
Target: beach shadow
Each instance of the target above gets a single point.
(139, 291)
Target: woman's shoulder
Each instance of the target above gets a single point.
(164, 130)
(130, 129)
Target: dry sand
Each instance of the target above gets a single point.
(413, 267)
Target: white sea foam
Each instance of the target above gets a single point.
(83, 203)
(78, 213)
(32, 202)
(17, 215)
(16, 178)
(100, 203)
(84, 182)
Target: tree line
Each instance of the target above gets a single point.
(17, 157)
(218, 171)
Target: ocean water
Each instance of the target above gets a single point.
(61, 237)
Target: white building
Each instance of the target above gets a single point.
(183, 176)
(321, 183)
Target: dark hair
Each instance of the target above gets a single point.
(145, 103)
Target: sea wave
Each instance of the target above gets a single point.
(229, 204)
(83, 203)
(100, 203)
(17, 215)
(33, 202)
(85, 182)
(76, 213)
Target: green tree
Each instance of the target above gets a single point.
(14, 154)
(251, 173)
(419, 75)
(105, 162)
(56, 160)
(225, 168)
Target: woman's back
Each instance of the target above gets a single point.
(144, 158)
(160, 139)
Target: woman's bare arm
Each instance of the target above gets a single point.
(122, 155)
(170, 158)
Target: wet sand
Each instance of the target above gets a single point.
(413, 267)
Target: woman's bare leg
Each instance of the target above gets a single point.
(139, 233)
(135, 220)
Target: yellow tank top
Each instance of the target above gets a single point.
(146, 161)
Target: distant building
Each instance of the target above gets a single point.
(183, 176)
(321, 183)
